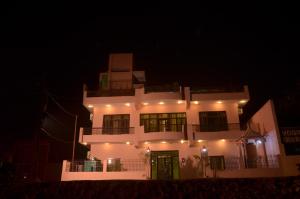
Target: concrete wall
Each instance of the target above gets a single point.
(231, 109)
(128, 175)
(265, 121)
(218, 147)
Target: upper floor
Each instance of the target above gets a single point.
(140, 113)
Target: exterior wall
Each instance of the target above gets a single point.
(231, 109)
(265, 122)
(104, 147)
(129, 175)
(218, 147)
(100, 111)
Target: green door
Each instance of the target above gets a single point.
(164, 168)
(164, 165)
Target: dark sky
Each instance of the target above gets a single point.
(258, 46)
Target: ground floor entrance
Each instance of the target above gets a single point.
(164, 165)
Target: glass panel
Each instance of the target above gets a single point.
(153, 166)
(217, 162)
(116, 124)
(152, 115)
(144, 116)
(153, 125)
(175, 164)
(213, 121)
(162, 122)
(114, 164)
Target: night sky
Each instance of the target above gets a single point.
(212, 47)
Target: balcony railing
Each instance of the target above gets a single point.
(162, 88)
(233, 163)
(113, 165)
(111, 92)
(85, 166)
(217, 90)
(166, 128)
(108, 131)
(212, 128)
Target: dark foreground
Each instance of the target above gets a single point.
(201, 188)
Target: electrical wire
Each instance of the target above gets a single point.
(60, 106)
(55, 138)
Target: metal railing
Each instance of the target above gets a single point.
(132, 165)
(212, 128)
(113, 165)
(263, 162)
(233, 163)
(162, 88)
(217, 90)
(110, 92)
(166, 128)
(108, 131)
(85, 166)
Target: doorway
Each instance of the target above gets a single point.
(164, 165)
(251, 155)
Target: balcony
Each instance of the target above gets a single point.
(229, 131)
(109, 169)
(102, 135)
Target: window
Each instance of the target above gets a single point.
(116, 124)
(217, 162)
(213, 121)
(113, 164)
(161, 122)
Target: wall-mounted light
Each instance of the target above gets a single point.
(200, 141)
(108, 105)
(243, 101)
(127, 143)
(163, 142)
(181, 141)
(84, 143)
(145, 103)
(258, 141)
(161, 103)
(179, 102)
(90, 106)
(127, 104)
(219, 102)
(195, 102)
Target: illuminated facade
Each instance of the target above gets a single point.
(169, 132)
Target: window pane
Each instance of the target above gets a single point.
(152, 115)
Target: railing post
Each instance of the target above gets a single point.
(105, 166)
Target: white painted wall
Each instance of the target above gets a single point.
(231, 109)
(265, 122)
(218, 147)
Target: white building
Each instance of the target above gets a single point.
(169, 132)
